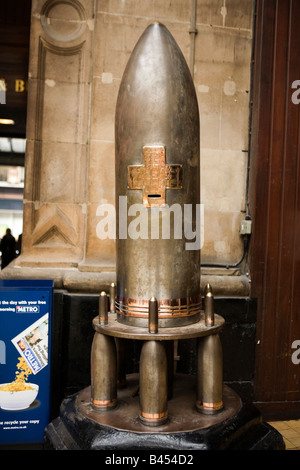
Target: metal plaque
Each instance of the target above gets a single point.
(154, 176)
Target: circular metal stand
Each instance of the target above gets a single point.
(121, 330)
(182, 413)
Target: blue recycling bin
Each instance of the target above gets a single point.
(25, 338)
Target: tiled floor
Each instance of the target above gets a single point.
(290, 431)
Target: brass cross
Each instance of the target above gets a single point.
(154, 176)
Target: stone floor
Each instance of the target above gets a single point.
(290, 431)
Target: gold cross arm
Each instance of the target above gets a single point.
(154, 176)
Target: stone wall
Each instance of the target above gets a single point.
(78, 52)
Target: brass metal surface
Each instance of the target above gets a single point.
(209, 374)
(112, 296)
(103, 308)
(153, 384)
(208, 305)
(153, 315)
(103, 372)
(154, 176)
(195, 330)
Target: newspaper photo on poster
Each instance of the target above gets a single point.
(32, 344)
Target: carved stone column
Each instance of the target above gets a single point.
(59, 221)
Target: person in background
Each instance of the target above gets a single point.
(19, 245)
(7, 248)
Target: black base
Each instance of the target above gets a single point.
(237, 427)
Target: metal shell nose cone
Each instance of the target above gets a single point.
(155, 84)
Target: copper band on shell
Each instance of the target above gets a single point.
(167, 308)
(210, 406)
(154, 415)
(104, 403)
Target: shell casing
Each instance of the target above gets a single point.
(153, 384)
(208, 306)
(169, 347)
(209, 374)
(112, 297)
(207, 288)
(103, 308)
(121, 362)
(153, 315)
(103, 372)
(157, 173)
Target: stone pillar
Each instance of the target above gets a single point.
(61, 192)
(57, 133)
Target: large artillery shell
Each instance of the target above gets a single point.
(103, 372)
(210, 374)
(157, 185)
(153, 384)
